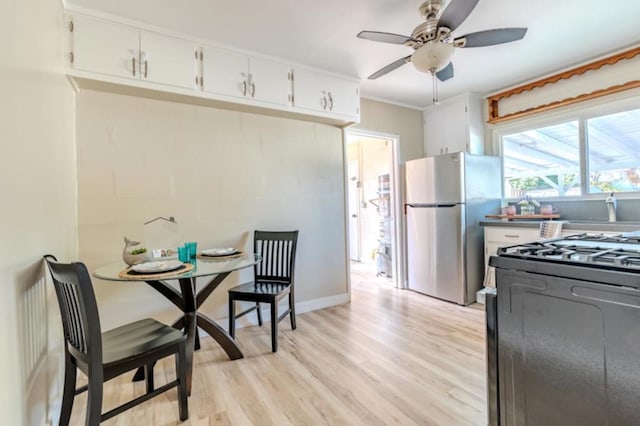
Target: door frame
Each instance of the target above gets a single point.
(354, 233)
(398, 256)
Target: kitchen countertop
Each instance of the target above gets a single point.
(582, 225)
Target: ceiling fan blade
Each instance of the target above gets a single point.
(384, 37)
(456, 13)
(445, 73)
(392, 66)
(490, 37)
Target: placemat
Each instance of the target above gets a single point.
(133, 275)
(222, 257)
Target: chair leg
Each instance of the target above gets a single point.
(69, 389)
(292, 313)
(259, 314)
(94, 396)
(196, 346)
(148, 373)
(274, 326)
(181, 372)
(232, 318)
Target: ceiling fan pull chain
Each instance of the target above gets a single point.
(435, 88)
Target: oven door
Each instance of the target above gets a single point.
(493, 399)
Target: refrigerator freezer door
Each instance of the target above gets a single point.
(436, 251)
(436, 180)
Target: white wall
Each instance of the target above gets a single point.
(221, 174)
(38, 213)
(395, 120)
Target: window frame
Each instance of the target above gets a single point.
(582, 113)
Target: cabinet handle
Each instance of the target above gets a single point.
(244, 88)
(133, 61)
(146, 68)
(512, 236)
(253, 89)
(441, 150)
(446, 150)
(324, 102)
(330, 101)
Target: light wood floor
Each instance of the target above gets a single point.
(390, 357)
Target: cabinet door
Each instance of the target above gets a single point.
(455, 128)
(167, 60)
(446, 128)
(269, 81)
(344, 97)
(105, 48)
(309, 91)
(434, 135)
(225, 72)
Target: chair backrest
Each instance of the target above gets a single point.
(278, 251)
(78, 308)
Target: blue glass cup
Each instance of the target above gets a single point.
(183, 253)
(193, 249)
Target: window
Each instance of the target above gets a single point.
(546, 161)
(614, 152)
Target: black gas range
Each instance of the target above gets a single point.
(612, 259)
(563, 332)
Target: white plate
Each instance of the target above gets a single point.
(160, 266)
(218, 251)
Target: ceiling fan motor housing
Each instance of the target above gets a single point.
(432, 57)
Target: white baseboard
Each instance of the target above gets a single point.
(323, 302)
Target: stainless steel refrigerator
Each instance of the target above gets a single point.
(447, 195)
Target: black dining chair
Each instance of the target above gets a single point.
(103, 356)
(273, 280)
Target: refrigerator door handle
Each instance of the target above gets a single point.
(429, 206)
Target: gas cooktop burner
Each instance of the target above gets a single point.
(599, 250)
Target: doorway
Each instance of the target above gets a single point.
(372, 205)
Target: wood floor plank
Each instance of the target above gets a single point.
(390, 357)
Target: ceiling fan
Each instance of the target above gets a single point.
(433, 40)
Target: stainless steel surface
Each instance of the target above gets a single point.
(436, 251)
(446, 197)
(611, 207)
(434, 180)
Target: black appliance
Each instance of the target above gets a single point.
(563, 332)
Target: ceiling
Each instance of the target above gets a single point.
(322, 34)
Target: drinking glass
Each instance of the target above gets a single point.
(183, 253)
(193, 249)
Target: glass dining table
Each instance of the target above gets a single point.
(189, 298)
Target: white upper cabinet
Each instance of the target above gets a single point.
(123, 51)
(167, 60)
(320, 92)
(230, 73)
(455, 125)
(105, 47)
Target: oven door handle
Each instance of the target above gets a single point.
(493, 400)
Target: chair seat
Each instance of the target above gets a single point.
(260, 288)
(137, 338)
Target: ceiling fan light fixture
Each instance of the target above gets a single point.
(432, 57)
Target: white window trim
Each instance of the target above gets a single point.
(596, 108)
